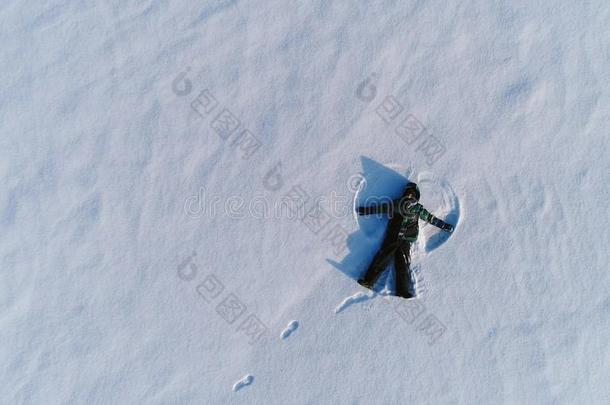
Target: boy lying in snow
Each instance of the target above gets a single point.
(401, 232)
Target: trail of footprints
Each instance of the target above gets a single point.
(248, 378)
(359, 297)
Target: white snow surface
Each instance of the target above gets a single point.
(117, 287)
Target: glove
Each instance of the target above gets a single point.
(447, 228)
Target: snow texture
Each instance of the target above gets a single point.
(142, 143)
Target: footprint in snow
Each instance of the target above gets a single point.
(353, 299)
(247, 380)
(292, 326)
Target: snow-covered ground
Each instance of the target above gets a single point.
(144, 145)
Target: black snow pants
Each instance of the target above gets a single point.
(400, 250)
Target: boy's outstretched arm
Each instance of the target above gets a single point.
(385, 207)
(431, 219)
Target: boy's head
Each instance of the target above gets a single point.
(411, 191)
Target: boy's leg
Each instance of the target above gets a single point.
(402, 262)
(378, 265)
